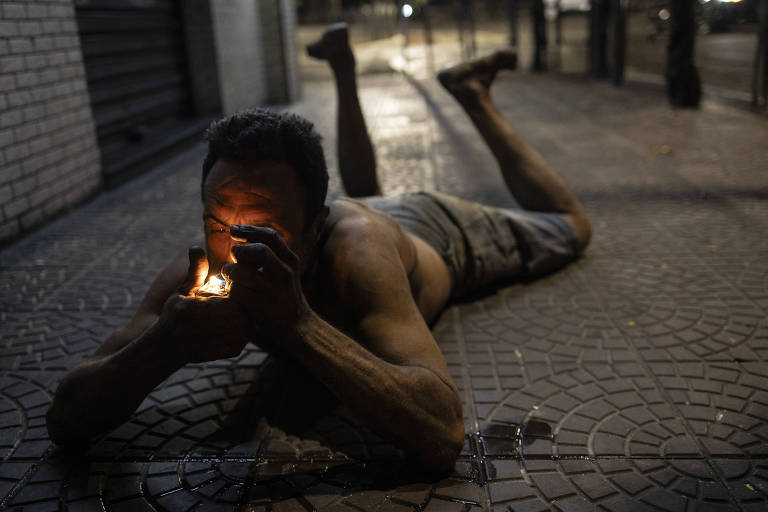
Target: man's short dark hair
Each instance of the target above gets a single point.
(255, 135)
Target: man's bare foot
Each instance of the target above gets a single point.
(333, 46)
(476, 76)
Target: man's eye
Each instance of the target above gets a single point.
(217, 229)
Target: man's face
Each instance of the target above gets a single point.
(267, 193)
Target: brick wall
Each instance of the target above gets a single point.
(48, 153)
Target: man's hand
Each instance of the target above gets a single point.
(266, 281)
(202, 329)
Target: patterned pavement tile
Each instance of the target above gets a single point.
(726, 404)
(679, 309)
(632, 380)
(24, 400)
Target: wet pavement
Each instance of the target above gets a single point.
(634, 379)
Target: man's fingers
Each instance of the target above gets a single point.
(198, 270)
(258, 256)
(244, 277)
(267, 236)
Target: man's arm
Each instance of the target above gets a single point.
(102, 391)
(392, 375)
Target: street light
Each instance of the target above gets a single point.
(407, 10)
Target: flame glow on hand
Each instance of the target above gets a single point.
(217, 285)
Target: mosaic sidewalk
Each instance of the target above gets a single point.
(635, 379)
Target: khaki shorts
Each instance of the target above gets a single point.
(482, 245)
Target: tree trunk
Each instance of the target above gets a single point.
(760, 76)
(619, 41)
(512, 16)
(540, 36)
(683, 84)
(598, 31)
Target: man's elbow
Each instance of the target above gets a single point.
(62, 429)
(67, 418)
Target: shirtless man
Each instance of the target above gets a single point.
(346, 290)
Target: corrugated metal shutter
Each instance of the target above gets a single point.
(136, 67)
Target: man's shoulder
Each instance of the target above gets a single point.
(360, 239)
(364, 258)
(351, 221)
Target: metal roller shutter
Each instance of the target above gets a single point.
(136, 67)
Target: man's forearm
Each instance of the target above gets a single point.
(409, 403)
(101, 393)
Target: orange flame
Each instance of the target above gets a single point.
(217, 285)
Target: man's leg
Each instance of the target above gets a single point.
(357, 163)
(533, 183)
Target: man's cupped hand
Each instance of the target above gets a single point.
(202, 329)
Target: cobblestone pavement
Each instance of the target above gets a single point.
(635, 379)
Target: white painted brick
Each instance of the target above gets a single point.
(14, 10)
(5, 194)
(19, 98)
(11, 63)
(33, 113)
(33, 165)
(54, 205)
(27, 79)
(23, 185)
(30, 28)
(60, 11)
(6, 138)
(10, 118)
(42, 93)
(48, 75)
(24, 132)
(57, 58)
(15, 207)
(7, 83)
(35, 10)
(32, 218)
(42, 194)
(68, 26)
(51, 27)
(54, 155)
(9, 229)
(35, 61)
(8, 28)
(43, 43)
(19, 45)
(16, 151)
(10, 172)
(48, 176)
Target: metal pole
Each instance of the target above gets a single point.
(540, 36)
(512, 17)
(618, 51)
